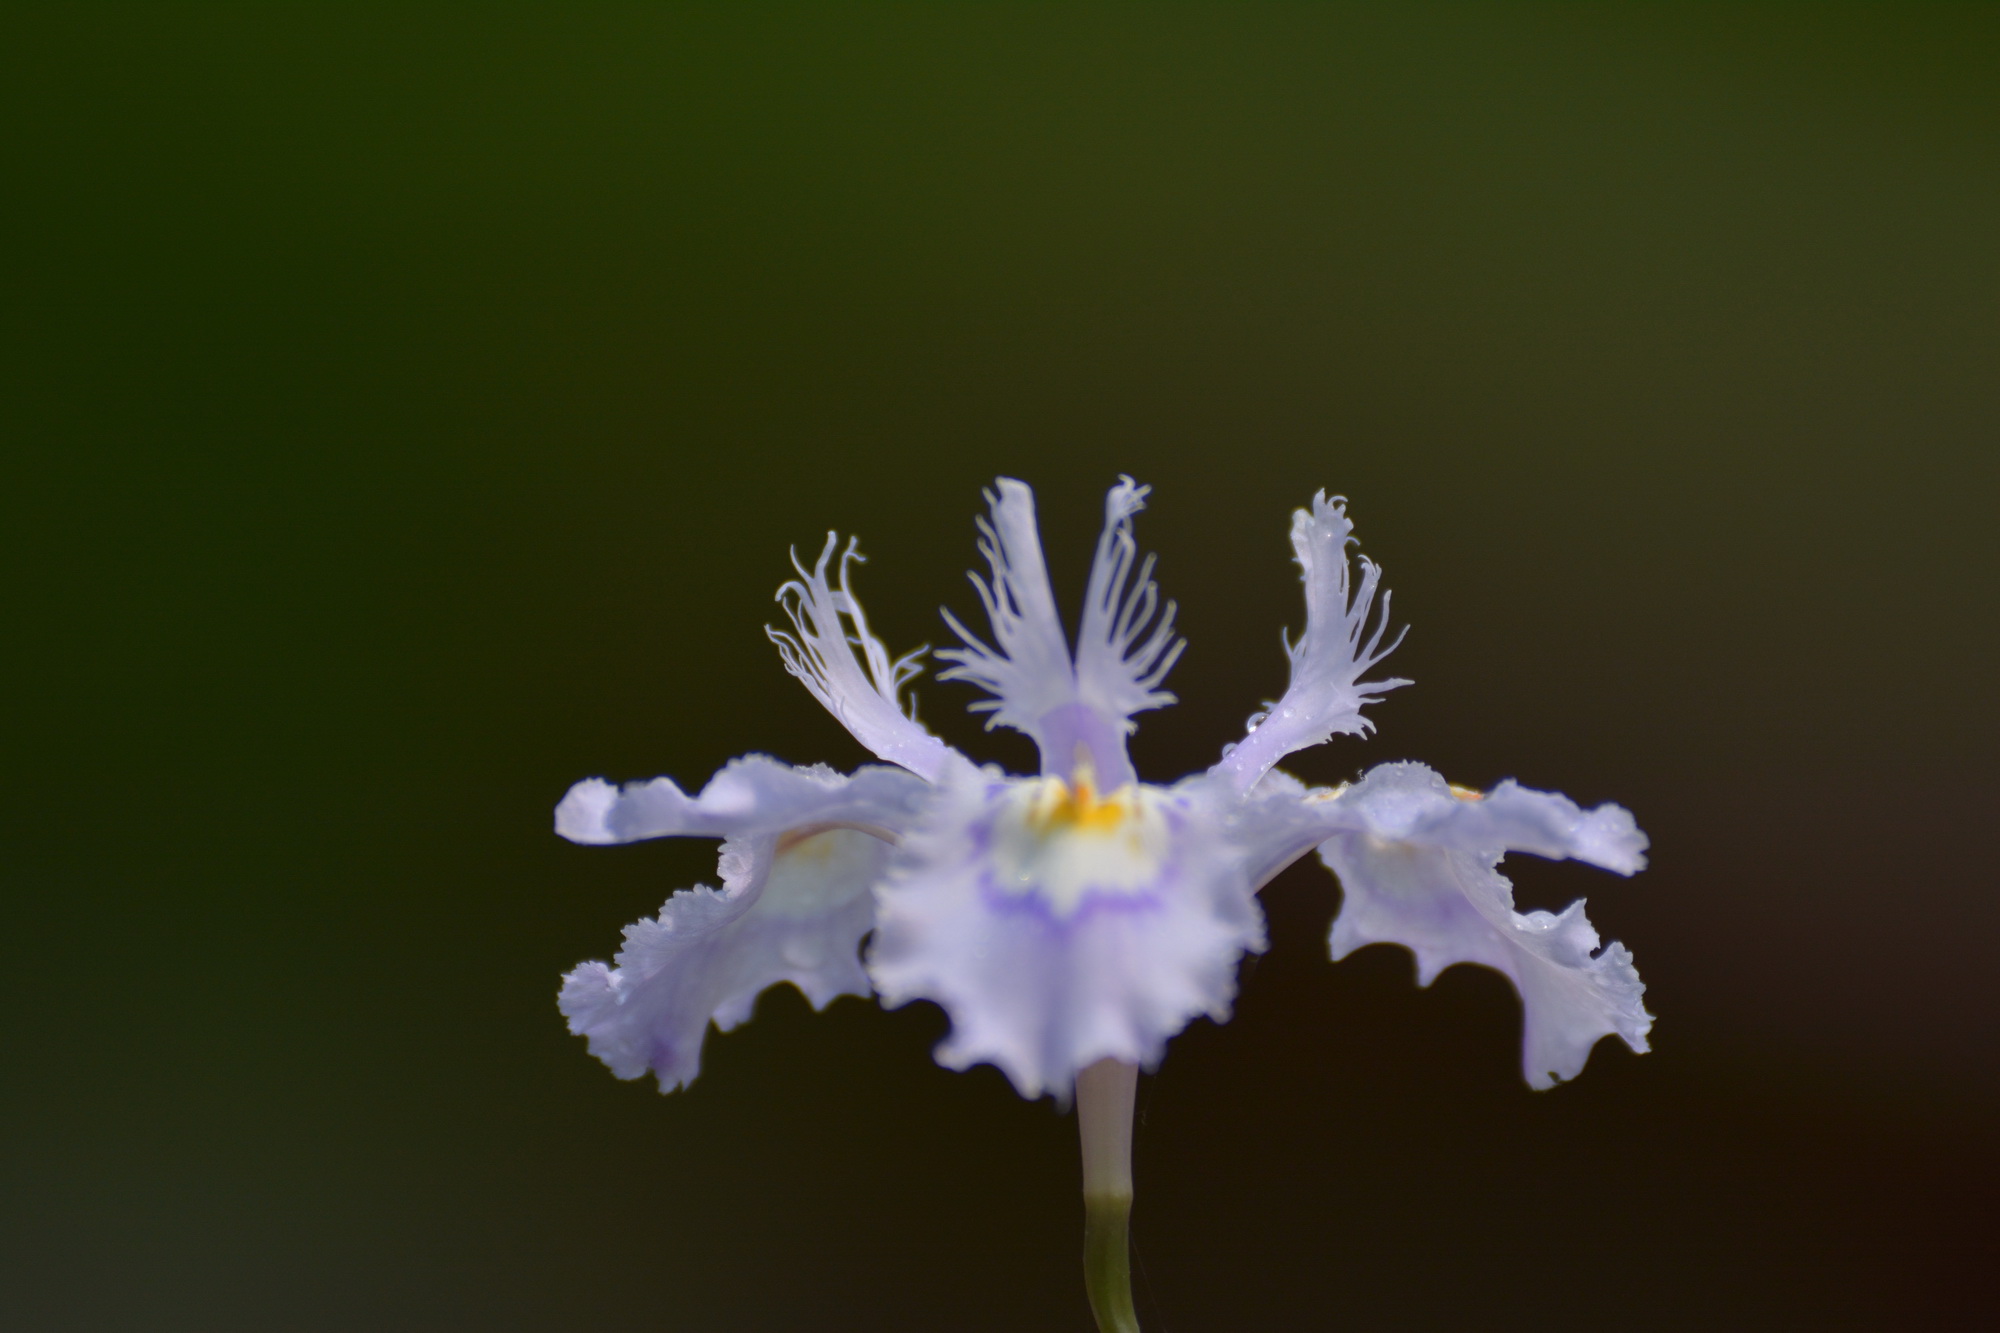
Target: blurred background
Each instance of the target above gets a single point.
(408, 411)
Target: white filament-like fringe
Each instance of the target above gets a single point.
(1115, 671)
(1027, 670)
(1342, 641)
(819, 650)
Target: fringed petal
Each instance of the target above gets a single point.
(790, 909)
(1027, 669)
(1058, 928)
(1120, 661)
(1342, 641)
(1078, 712)
(1416, 860)
(819, 650)
(803, 848)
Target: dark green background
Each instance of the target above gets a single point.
(407, 413)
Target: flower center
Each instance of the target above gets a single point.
(1061, 842)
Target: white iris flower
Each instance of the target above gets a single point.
(1072, 922)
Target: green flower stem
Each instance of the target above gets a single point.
(1107, 1268)
(1104, 1096)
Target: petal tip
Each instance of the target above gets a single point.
(1610, 837)
(583, 813)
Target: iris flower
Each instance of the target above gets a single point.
(1071, 922)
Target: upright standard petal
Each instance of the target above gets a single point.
(1117, 673)
(1326, 693)
(1078, 711)
(1027, 669)
(819, 650)
(803, 848)
(1058, 927)
(1416, 860)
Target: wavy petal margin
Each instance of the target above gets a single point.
(1417, 868)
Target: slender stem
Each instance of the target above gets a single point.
(1107, 1268)
(1104, 1095)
